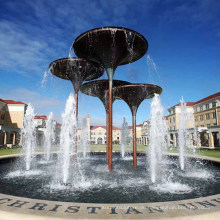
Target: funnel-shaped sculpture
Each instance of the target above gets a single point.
(110, 46)
(133, 95)
(99, 88)
(76, 70)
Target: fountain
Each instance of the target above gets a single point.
(184, 137)
(85, 145)
(97, 88)
(29, 135)
(110, 47)
(49, 136)
(66, 190)
(67, 137)
(124, 137)
(133, 95)
(76, 70)
(157, 139)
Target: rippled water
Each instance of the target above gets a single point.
(124, 185)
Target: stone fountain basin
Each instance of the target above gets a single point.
(14, 207)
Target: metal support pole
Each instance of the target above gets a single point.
(110, 78)
(76, 100)
(107, 116)
(134, 110)
(75, 147)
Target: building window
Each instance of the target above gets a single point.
(213, 104)
(201, 117)
(195, 109)
(173, 119)
(207, 106)
(207, 116)
(173, 127)
(201, 108)
(170, 120)
(2, 117)
(214, 124)
(208, 125)
(214, 115)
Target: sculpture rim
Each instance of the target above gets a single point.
(77, 59)
(106, 28)
(88, 85)
(139, 85)
(109, 28)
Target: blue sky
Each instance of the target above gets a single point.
(183, 36)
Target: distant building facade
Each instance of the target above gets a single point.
(40, 124)
(173, 122)
(98, 135)
(206, 121)
(11, 122)
(145, 129)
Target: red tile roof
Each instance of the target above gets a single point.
(187, 104)
(1, 100)
(95, 127)
(140, 125)
(208, 98)
(11, 102)
(166, 117)
(43, 117)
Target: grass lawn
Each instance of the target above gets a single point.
(202, 152)
(9, 151)
(116, 148)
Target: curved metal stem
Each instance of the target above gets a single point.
(134, 111)
(76, 100)
(107, 116)
(75, 147)
(110, 79)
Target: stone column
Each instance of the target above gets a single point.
(211, 140)
(168, 139)
(1, 138)
(13, 138)
(191, 139)
(174, 140)
(5, 138)
(199, 140)
(20, 139)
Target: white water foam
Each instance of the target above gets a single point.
(199, 174)
(171, 187)
(26, 174)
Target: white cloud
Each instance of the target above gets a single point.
(38, 32)
(42, 104)
(102, 121)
